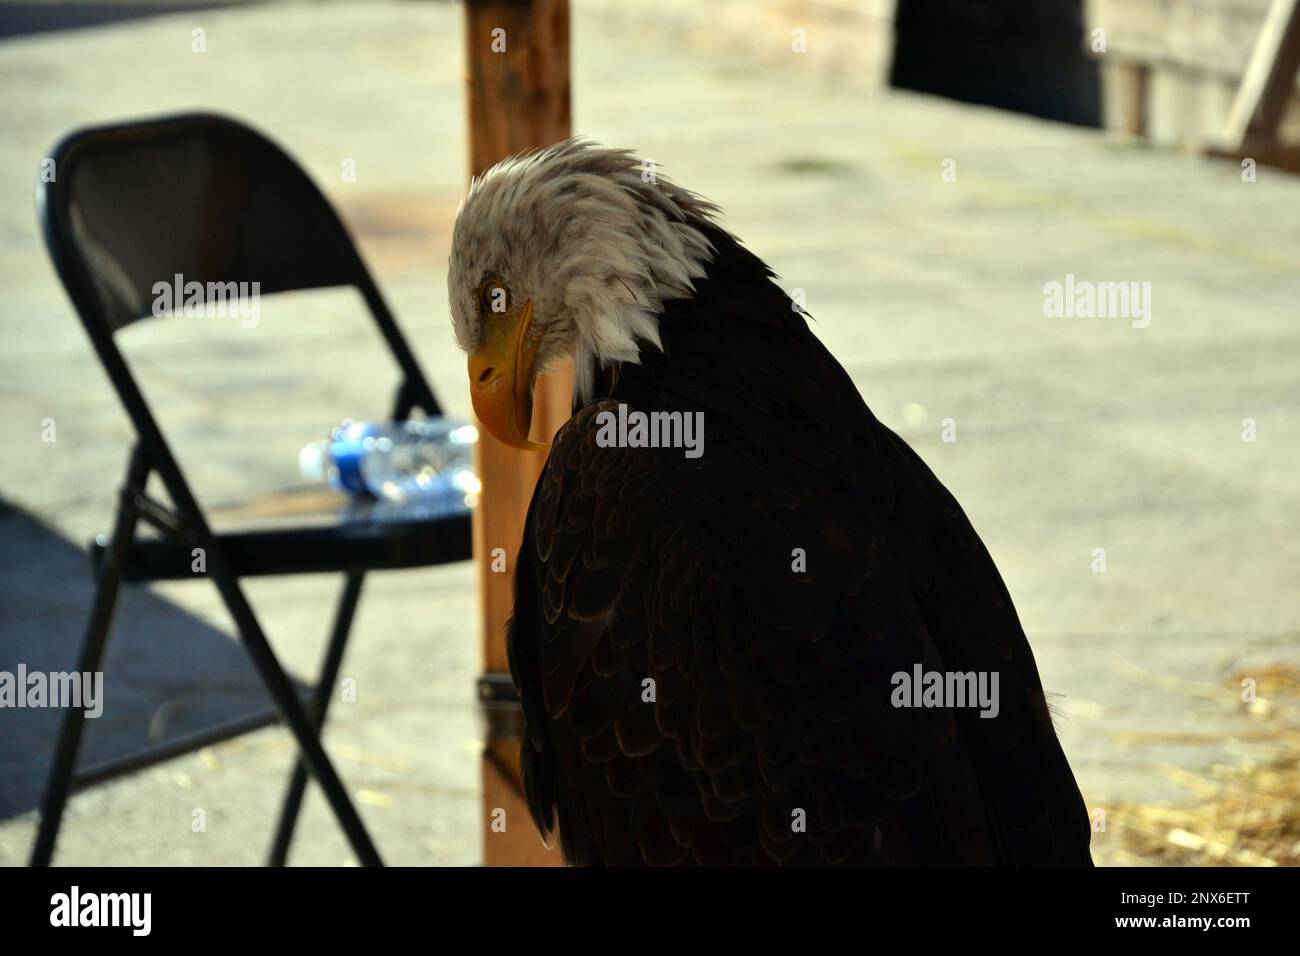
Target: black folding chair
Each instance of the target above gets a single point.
(210, 199)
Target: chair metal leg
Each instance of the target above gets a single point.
(107, 586)
(290, 707)
(329, 674)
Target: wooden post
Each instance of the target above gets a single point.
(1134, 88)
(517, 68)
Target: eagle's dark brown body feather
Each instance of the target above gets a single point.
(772, 688)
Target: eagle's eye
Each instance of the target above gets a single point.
(493, 297)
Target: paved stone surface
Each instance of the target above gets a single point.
(1072, 434)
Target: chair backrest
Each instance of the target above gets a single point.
(204, 198)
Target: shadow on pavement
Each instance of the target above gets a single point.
(22, 19)
(167, 673)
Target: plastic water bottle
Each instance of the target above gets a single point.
(425, 463)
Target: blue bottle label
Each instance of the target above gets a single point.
(347, 449)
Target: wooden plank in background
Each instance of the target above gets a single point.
(1269, 78)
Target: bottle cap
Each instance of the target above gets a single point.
(311, 461)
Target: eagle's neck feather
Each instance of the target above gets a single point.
(617, 310)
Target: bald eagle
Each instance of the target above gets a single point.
(716, 652)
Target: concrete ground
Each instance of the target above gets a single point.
(1072, 435)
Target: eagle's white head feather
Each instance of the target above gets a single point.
(594, 238)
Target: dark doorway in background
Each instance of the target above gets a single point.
(1029, 56)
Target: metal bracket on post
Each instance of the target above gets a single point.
(504, 716)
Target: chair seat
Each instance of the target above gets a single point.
(307, 531)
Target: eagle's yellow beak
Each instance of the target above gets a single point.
(501, 378)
